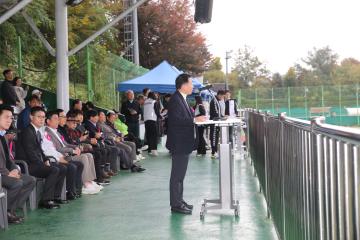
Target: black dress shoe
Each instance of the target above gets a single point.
(12, 219)
(49, 205)
(137, 169)
(188, 205)
(70, 196)
(181, 209)
(59, 201)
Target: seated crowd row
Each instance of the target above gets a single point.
(79, 149)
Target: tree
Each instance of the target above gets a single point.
(290, 77)
(322, 62)
(249, 67)
(167, 31)
(277, 80)
(214, 74)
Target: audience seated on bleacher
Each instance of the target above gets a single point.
(23, 120)
(21, 93)
(8, 93)
(112, 152)
(18, 186)
(74, 169)
(73, 154)
(28, 148)
(116, 140)
(38, 93)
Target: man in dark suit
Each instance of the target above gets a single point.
(132, 110)
(8, 93)
(18, 186)
(181, 140)
(29, 149)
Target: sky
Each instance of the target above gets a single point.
(281, 32)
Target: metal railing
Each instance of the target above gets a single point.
(309, 173)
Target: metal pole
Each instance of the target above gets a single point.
(306, 105)
(89, 74)
(20, 70)
(14, 10)
(322, 100)
(114, 87)
(357, 104)
(289, 102)
(256, 99)
(340, 104)
(62, 61)
(135, 34)
(227, 57)
(272, 101)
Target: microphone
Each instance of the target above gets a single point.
(206, 87)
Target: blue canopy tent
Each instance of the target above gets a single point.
(160, 79)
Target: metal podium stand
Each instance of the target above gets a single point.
(226, 161)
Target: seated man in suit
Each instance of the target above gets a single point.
(95, 131)
(83, 162)
(18, 186)
(74, 168)
(111, 152)
(28, 147)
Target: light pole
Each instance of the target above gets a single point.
(227, 57)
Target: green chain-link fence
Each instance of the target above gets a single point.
(94, 73)
(339, 104)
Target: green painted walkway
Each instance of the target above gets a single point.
(135, 206)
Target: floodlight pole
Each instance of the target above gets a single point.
(135, 35)
(62, 61)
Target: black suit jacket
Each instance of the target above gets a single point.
(227, 107)
(8, 93)
(28, 147)
(181, 132)
(6, 164)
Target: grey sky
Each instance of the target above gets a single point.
(281, 32)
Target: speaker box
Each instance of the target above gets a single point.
(203, 11)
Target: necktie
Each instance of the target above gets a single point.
(38, 136)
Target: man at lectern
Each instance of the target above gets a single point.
(181, 140)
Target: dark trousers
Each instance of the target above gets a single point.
(73, 176)
(151, 129)
(134, 128)
(178, 171)
(201, 149)
(54, 179)
(113, 153)
(18, 190)
(214, 138)
(99, 162)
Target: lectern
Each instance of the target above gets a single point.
(226, 161)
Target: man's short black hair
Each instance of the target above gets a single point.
(4, 107)
(49, 114)
(182, 79)
(59, 110)
(35, 110)
(6, 71)
(76, 101)
(71, 114)
(221, 92)
(92, 113)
